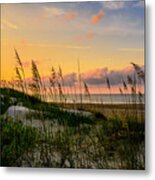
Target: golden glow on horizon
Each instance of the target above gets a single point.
(67, 60)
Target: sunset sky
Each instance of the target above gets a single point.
(105, 36)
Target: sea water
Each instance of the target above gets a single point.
(98, 98)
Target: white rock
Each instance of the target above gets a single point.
(83, 113)
(17, 112)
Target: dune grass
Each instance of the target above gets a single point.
(71, 140)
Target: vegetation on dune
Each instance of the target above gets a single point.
(69, 139)
(106, 144)
(16, 139)
(49, 111)
(12, 97)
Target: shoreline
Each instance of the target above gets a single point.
(140, 106)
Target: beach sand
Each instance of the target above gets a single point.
(109, 110)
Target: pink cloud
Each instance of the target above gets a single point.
(70, 15)
(97, 18)
(96, 73)
(70, 79)
(90, 35)
(98, 76)
(79, 37)
(82, 37)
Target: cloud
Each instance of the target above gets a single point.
(79, 37)
(139, 4)
(90, 35)
(82, 37)
(124, 26)
(70, 79)
(97, 18)
(95, 76)
(53, 11)
(70, 15)
(8, 24)
(115, 5)
(59, 12)
(98, 76)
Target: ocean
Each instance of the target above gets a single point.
(99, 98)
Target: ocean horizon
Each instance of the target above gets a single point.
(98, 98)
